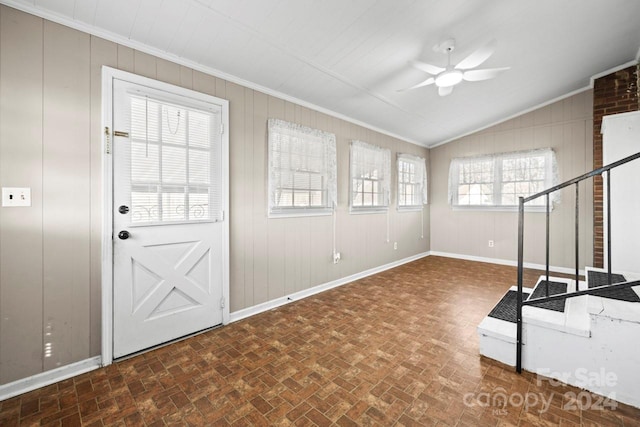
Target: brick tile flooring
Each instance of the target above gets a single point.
(399, 348)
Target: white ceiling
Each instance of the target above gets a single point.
(351, 56)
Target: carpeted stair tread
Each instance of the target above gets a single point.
(506, 308)
(599, 278)
(554, 289)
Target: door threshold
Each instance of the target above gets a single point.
(164, 344)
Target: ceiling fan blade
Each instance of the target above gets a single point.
(427, 68)
(479, 75)
(477, 57)
(427, 82)
(444, 91)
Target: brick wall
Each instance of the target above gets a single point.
(612, 94)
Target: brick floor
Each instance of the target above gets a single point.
(396, 349)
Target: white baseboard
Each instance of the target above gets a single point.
(511, 263)
(265, 306)
(49, 377)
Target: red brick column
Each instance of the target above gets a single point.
(612, 94)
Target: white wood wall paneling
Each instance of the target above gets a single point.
(261, 254)
(66, 195)
(250, 190)
(145, 64)
(280, 257)
(238, 190)
(204, 83)
(125, 59)
(334, 272)
(303, 235)
(21, 293)
(186, 77)
(291, 231)
(320, 232)
(167, 71)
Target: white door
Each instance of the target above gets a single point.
(168, 236)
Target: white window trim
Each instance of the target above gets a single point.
(421, 163)
(551, 178)
(276, 126)
(385, 181)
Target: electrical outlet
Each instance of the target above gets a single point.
(395, 246)
(490, 243)
(336, 257)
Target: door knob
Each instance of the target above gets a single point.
(123, 209)
(124, 235)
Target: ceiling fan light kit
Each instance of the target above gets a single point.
(446, 78)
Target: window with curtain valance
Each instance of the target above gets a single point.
(370, 168)
(498, 180)
(412, 182)
(302, 170)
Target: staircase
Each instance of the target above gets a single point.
(580, 332)
(581, 340)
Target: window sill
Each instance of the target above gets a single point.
(297, 213)
(410, 208)
(539, 209)
(368, 210)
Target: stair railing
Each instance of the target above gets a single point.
(522, 200)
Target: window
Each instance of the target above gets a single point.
(499, 180)
(174, 151)
(475, 182)
(412, 182)
(523, 176)
(302, 170)
(370, 177)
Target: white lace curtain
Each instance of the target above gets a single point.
(489, 170)
(301, 160)
(373, 163)
(420, 165)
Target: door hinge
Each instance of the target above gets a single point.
(221, 128)
(107, 140)
(221, 215)
(222, 302)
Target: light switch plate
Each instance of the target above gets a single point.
(16, 196)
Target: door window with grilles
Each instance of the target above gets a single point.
(174, 163)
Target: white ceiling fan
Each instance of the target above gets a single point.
(446, 78)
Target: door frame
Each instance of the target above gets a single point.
(108, 76)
